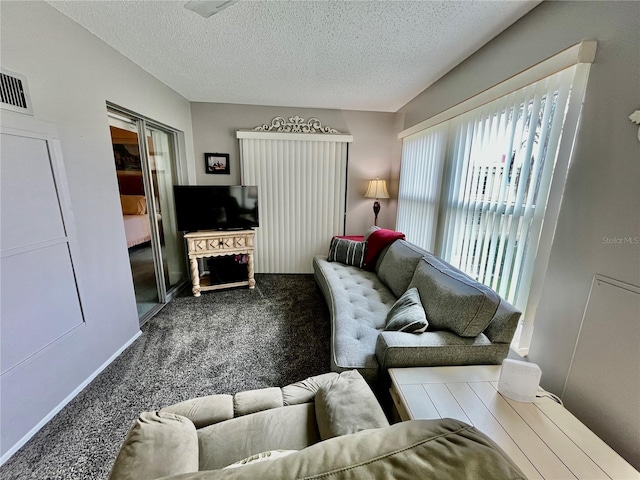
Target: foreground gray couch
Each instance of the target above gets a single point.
(212, 432)
(333, 423)
(468, 322)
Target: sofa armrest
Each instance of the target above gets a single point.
(159, 444)
(347, 405)
(435, 348)
(504, 323)
(305, 391)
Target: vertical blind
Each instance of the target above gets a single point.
(475, 188)
(420, 200)
(302, 190)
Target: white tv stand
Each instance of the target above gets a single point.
(217, 243)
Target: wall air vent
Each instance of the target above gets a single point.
(14, 93)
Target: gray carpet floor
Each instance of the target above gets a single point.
(223, 342)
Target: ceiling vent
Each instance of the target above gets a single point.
(206, 8)
(14, 93)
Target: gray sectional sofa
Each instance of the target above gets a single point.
(468, 322)
(328, 426)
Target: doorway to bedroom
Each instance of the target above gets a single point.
(145, 159)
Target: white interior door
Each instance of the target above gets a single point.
(40, 298)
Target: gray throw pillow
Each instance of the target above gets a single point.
(407, 314)
(349, 252)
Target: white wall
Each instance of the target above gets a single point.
(375, 150)
(601, 198)
(71, 74)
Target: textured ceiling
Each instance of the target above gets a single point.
(356, 55)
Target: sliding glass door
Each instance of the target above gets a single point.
(145, 157)
(160, 145)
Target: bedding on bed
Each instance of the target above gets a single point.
(136, 220)
(137, 229)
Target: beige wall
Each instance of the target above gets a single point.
(71, 75)
(375, 150)
(601, 198)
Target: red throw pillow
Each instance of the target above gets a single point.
(375, 244)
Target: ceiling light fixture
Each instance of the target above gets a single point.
(206, 8)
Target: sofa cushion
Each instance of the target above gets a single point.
(347, 406)
(407, 314)
(347, 251)
(451, 299)
(437, 348)
(397, 265)
(358, 302)
(261, 457)
(445, 449)
(285, 428)
(251, 401)
(159, 444)
(203, 411)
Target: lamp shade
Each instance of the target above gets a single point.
(377, 189)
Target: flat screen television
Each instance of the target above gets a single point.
(200, 207)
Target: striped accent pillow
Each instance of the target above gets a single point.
(349, 252)
(407, 314)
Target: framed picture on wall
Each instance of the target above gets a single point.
(216, 163)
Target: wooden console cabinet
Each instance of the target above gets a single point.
(215, 243)
(543, 438)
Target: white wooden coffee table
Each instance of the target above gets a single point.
(543, 438)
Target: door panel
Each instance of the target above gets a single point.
(39, 302)
(40, 299)
(160, 148)
(28, 193)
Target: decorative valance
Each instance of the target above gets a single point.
(296, 128)
(295, 124)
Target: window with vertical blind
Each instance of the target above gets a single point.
(482, 189)
(420, 185)
(302, 181)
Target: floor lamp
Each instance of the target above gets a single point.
(377, 189)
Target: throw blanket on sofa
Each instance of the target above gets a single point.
(375, 244)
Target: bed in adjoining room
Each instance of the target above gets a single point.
(136, 219)
(134, 207)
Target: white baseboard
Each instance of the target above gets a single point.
(64, 402)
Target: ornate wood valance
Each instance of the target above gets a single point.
(295, 124)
